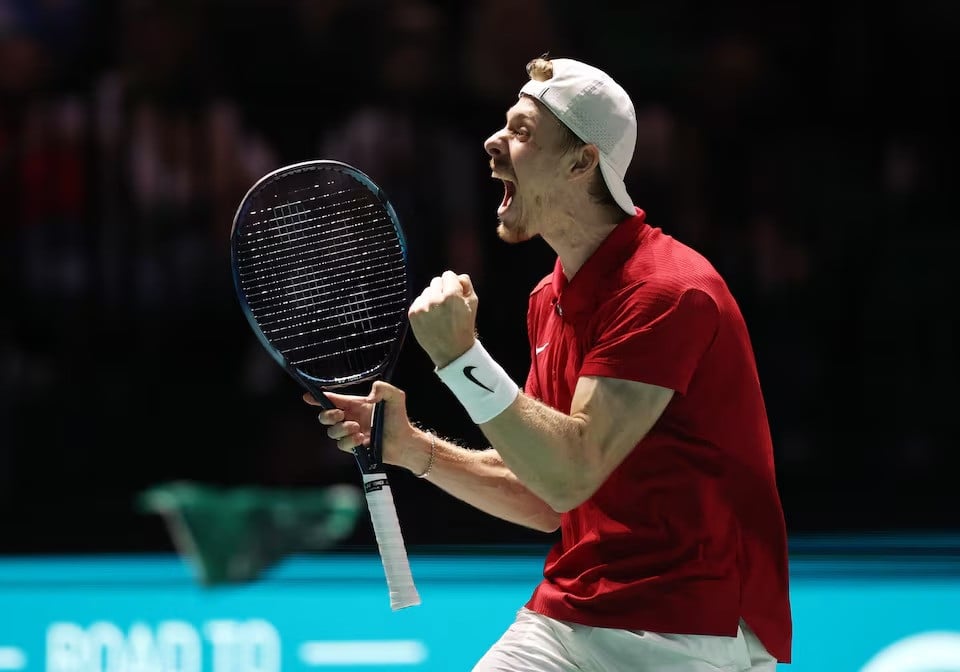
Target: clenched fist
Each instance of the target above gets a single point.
(444, 317)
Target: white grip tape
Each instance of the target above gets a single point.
(393, 554)
(479, 383)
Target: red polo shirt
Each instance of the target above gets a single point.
(687, 535)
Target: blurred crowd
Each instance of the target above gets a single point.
(806, 148)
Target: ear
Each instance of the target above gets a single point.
(585, 160)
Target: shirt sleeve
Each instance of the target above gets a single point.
(649, 338)
(532, 387)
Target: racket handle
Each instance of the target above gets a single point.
(393, 554)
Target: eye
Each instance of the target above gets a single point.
(521, 133)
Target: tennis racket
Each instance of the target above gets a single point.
(320, 268)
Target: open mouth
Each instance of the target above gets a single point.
(509, 189)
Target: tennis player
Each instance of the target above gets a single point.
(641, 430)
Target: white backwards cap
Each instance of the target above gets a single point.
(598, 111)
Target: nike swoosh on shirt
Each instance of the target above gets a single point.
(541, 348)
(468, 372)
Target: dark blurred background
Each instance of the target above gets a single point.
(808, 149)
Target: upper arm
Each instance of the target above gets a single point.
(615, 414)
(649, 348)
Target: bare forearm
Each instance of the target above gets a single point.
(481, 479)
(545, 449)
(563, 459)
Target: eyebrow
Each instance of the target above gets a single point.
(518, 116)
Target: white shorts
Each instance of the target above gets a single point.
(536, 643)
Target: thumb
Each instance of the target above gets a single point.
(383, 391)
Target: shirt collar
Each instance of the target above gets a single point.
(577, 296)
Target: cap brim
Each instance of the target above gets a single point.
(617, 188)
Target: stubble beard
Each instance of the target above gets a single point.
(513, 234)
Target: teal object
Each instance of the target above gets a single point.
(327, 612)
(230, 535)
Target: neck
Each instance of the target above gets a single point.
(577, 233)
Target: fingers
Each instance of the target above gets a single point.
(442, 287)
(348, 402)
(347, 444)
(331, 417)
(466, 284)
(347, 434)
(457, 284)
(310, 399)
(447, 284)
(341, 430)
(350, 440)
(451, 283)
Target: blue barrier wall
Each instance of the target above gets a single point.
(331, 613)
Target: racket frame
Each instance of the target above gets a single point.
(369, 457)
(383, 513)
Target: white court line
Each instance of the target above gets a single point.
(363, 652)
(12, 658)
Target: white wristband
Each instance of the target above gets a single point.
(481, 385)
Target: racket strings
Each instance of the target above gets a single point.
(301, 274)
(270, 318)
(320, 227)
(367, 319)
(298, 332)
(295, 255)
(325, 277)
(292, 275)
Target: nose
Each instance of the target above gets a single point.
(494, 144)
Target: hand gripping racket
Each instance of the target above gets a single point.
(320, 268)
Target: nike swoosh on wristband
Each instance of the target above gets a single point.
(541, 348)
(468, 372)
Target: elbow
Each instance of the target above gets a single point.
(542, 519)
(578, 487)
(549, 522)
(570, 495)
(564, 504)
(582, 474)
